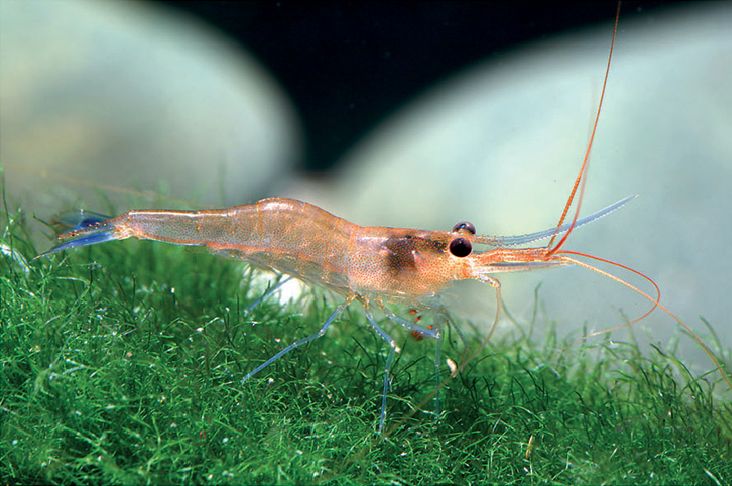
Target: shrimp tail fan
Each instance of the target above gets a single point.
(80, 228)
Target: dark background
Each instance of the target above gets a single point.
(348, 65)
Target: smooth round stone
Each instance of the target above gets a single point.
(126, 101)
(501, 143)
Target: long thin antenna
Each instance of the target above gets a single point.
(585, 162)
(653, 300)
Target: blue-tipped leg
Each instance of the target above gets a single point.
(387, 366)
(267, 293)
(298, 343)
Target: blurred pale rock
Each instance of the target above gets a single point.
(103, 99)
(500, 145)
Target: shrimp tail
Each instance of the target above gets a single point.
(77, 220)
(82, 228)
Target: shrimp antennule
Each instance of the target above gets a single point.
(540, 235)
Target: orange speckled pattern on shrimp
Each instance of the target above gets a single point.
(404, 263)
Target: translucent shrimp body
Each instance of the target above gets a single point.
(365, 263)
(305, 241)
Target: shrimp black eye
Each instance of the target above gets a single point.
(464, 225)
(460, 247)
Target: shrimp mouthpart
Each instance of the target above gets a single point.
(502, 260)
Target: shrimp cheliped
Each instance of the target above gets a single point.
(372, 265)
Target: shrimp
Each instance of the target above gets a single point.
(369, 264)
(365, 263)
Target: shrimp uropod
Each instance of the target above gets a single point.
(369, 264)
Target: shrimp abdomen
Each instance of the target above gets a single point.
(283, 234)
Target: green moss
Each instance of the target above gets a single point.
(121, 363)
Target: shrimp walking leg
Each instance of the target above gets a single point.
(387, 386)
(299, 342)
(496, 284)
(442, 314)
(267, 293)
(433, 333)
(387, 366)
(438, 381)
